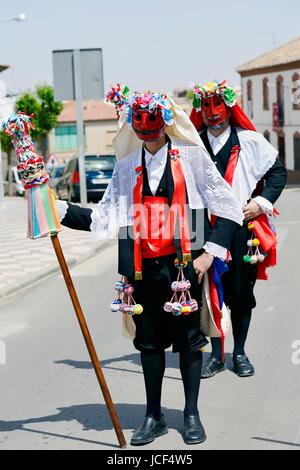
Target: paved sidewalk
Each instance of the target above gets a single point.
(24, 261)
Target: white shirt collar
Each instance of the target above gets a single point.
(159, 156)
(220, 141)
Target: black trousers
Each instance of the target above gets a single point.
(239, 281)
(157, 330)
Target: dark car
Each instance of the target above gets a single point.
(55, 172)
(99, 169)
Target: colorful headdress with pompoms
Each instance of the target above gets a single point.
(214, 89)
(151, 102)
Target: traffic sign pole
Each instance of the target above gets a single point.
(80, 128)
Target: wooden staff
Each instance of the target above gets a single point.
(88, 340)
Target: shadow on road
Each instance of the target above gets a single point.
(92, 417)
(171, 363)
(294, 444)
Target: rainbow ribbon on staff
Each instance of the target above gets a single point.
(43, 217)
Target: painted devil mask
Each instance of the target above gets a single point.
(148, 126)
(214, 100)
(214, 111)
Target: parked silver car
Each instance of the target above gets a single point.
(18, 189)
(55, 172)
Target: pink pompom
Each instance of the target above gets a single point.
(253, 259)
(184, 285)
(168, 307)
(129, 289)
(176, 308)
(119, 286)
(129, 309)
(175, 286)
(115, 307)
(194, 305)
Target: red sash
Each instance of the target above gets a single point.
(143, 241)
(234, 156)
(157, 237)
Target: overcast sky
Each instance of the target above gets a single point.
(156, 44)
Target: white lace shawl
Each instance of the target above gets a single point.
(256, 157)
(206, 189)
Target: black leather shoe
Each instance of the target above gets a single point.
(193, 430)
(148, 430)
(212, 367)
(242, 366)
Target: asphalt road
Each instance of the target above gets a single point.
(50, 398)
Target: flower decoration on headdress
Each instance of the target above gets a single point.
(212, 89)
(151, 102)
(118, 96)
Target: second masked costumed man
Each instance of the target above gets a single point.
(249, 164)
(156, 202)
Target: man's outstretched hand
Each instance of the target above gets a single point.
(252, 210)
(202, 264)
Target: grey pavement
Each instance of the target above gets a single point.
(24, 261)
(50, 398)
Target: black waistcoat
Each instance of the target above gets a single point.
(197, 219)
(221, 159)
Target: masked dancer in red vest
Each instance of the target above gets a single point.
(156, 202)
(248, 163)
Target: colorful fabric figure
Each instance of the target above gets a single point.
(43, 217)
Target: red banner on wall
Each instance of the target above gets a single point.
(275, 117)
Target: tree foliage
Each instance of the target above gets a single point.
(6, 144)
(45, 108)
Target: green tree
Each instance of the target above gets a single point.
(46, 110)
(7, 147)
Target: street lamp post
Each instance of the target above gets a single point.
(20, 18)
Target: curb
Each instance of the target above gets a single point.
(10, 292)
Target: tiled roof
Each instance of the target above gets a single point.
(93, 110)
(289, 52)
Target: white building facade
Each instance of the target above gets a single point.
(271, 99)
